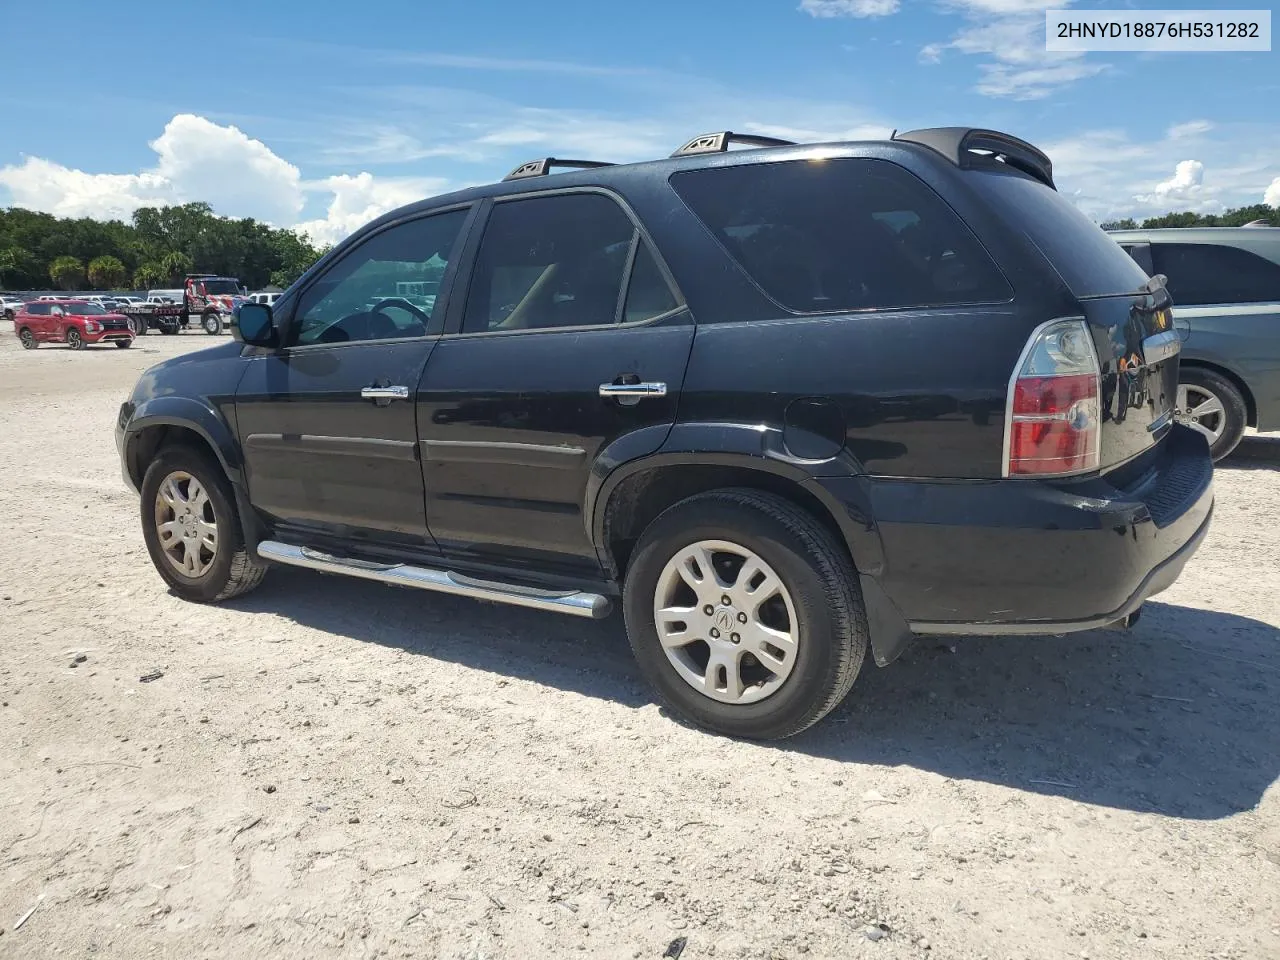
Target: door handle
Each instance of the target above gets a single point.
(384, 393)
(637, 390)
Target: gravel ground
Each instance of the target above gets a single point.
(332, 768)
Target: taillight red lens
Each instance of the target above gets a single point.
(1054, 417)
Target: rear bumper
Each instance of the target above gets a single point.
(1039, 557)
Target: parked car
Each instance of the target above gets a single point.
(164, 296)
(10, 305)
(73, 322)
(268, 298)
(781, 404)
(1225, 283)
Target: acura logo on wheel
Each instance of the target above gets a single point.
(724, 620)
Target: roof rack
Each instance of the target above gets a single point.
(970, 146)
(540, 168)
(719, 143)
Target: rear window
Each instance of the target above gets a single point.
(1089, 262)
(841, 235)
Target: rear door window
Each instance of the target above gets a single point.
(841, 235)
(1200, 273)
(574, 260)
(1089, 262)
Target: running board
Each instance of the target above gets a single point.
(573, 602)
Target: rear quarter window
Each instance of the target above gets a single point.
(842, 235)
(1089, 262)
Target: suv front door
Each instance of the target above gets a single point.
(327, 422)
(572, 335)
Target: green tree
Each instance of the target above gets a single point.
(1128, 223)
(176, 265)
(19, 269)
(67, 273)
(107, 272)
(150, 276)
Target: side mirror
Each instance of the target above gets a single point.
(255, 326)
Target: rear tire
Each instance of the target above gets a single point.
(1224, 413)
(29, 341)
(74, 340)
(822, 607)
(225, 571)
(124, 344)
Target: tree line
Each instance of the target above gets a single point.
(1235, 217)
(156, 248)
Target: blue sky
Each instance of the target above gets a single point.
(324, 114)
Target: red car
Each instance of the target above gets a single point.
(73, 322)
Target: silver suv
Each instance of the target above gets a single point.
(1225, 283)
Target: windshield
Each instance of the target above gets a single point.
(221, 287)
(83, 309)
(1084, 256)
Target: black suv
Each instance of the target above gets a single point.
(785, 403)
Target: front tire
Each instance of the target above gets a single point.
(74, 340)
(192, 528)
(1213, 406)
(795, 624)
(212, 323)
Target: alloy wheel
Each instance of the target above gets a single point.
(1201, 410)
(726, 622)
(185, 524)
(28, 339)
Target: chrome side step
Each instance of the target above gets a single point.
(574, 602)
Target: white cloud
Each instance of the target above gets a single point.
(39, 184)
(1272, 195)
(1185, 188)
(1009, 36)
(197, 159)
(359, 199)
(1111, 175)
(825, 9)
(865, 131)
(1188, 130)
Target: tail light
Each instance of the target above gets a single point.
(1053, 423)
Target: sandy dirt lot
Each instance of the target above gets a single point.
(331, 768)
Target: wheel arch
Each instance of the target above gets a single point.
(1250, 404)
(634, 494)
(169, 420)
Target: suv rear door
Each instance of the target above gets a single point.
(326, 423)
(567, 305)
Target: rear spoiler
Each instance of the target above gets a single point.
(973, 147)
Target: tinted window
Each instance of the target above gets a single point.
(842, 235)
(550, 262)
(1089, 262)
(648, 295)
(1141, 254)
(385, 287)
(1208, 273)
(38, 309)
